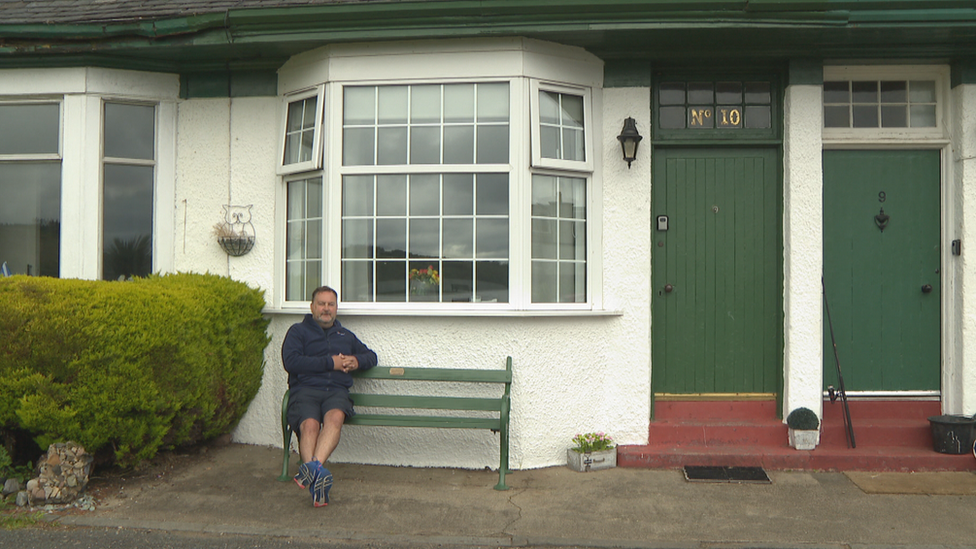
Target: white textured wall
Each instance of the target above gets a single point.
(959, 379)
(571, 374)
(802, 249)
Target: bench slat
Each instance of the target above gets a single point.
(424, 421)
(436, 374)
(427, 402)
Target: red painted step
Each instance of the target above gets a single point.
(891, 435)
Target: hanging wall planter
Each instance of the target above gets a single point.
(236, 233)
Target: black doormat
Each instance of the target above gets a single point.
(706, 473)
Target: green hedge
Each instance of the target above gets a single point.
(128, 367)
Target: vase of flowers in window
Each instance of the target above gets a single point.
(593, 451)
(424, 282)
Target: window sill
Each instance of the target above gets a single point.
(429, 312)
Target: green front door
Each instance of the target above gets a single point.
(716, 273)
(883, 286)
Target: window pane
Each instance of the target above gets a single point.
(837, 117)
(922, 91)
(492, 194)
(391, 238)
(391, 146)
(573, 145)
(548, 107)
(493, 102)
(458, 194)
(357, 195)
(359, 106)
(391, 281)
(543, 239)
(757, 93)
(671, 93)
(837, 92)
(30, 217)
(129, 131)
(894, 91)
(700, 93)
(127, 215)
(459, 145)
(357, 146)
(457, 280)
(672, 118)
(543, 195)
(425, 104)
(392, 105)
(865, 92)
(865, 116)
(728, 92)
(391, 194)
(572, 283)
(357, 239)
(357, 278)
(491, 279)
(458, 238)
(492, 144)
(923, 116)
(425, 241)
(459, 103)
(492, 238)
(549, 142)
(758, 117)
(29, 129)
(425, 145)
(544, 283)
(894, 116)
(425, 194)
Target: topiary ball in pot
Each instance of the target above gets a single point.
(804, 429)
(803, 419)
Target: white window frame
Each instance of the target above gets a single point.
(538, 161)
(937, 73)
(315, 162)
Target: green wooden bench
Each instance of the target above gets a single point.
(497, 423)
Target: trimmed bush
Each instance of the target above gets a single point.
(131, 367)
(803, 419)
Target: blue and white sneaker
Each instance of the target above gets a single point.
(306, 473)
(320, 488)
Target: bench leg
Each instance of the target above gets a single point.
(286, 438)
(503, 460)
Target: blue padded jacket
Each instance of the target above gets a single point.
(308, 350)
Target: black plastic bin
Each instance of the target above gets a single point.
(953, 434)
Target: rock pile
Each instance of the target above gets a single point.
(62, 474)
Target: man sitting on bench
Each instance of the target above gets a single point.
(318, 354)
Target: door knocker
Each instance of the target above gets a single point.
(881, 220)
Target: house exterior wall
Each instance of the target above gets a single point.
(959, 324)
(572, 374)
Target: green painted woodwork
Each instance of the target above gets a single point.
(398, 401)
(720, 329)
(888, 331)
(615, 30)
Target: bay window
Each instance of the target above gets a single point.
(468, 192)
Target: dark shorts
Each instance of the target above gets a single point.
(314, 403)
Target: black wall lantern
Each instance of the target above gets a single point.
(629, 139)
